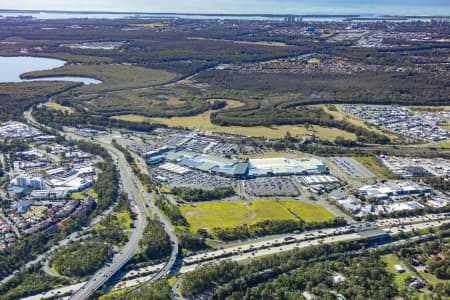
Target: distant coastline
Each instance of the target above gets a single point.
(187, 14)
(228, 15)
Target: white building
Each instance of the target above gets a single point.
(35, 183)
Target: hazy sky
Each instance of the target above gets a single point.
(223, 6)
(141, 5)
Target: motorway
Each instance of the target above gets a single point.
(105, 273)
(147, 197)
(119, 260)
(134, 189)
(259, 249)
(250, 250)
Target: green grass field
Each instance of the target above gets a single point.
(149, 25)
(211, 215)
(228, 215)
(113, 76)
(59, 107)
(372, 165)
(270, 210)
(74, 58)
(308, 212)
(445, 144)
(125, 220)
(399, 278)
(35, 211)
(81, 195)
(431, 278)
(203, 123)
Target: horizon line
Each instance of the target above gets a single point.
(216, 14)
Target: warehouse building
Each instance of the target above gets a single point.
(285, 166)
(390, 189)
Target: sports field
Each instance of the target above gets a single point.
(228, 215)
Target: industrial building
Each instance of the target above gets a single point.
(392, 189)
(285, 166)
(18, 131)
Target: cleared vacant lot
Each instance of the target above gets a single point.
(35, 211)
(228, 215)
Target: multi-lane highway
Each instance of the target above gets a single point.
(119, 260)
(142, 200)
(134, 189)
(147, 198)
(263, 248)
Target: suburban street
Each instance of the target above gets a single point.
(70, 238)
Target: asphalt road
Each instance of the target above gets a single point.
(241, 252)
(168, 227)
(134, 189)
(105, 273)
(14, 228)
(72, 237)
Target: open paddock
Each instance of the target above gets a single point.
(203, 123)
(228, 214)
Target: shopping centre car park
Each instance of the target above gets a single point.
(353, 168)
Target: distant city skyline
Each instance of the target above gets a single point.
(415, 7)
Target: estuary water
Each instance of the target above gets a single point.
(12, 67)
(195, 8)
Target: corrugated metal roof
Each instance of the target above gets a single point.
(206, 166)
(241, 168)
